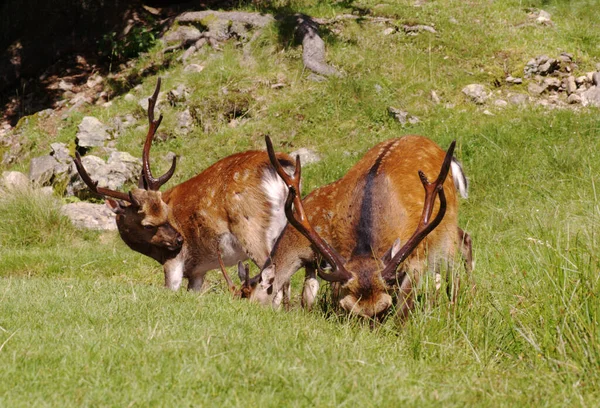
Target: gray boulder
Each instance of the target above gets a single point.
(91, 132)
(477, 93)
(121, 168)
(90, 216)
(53, 168)
(41, 170)
(178, 95)
(402, 116)
(184, 34)
(14, 180)
(184, 121)
(591, 97)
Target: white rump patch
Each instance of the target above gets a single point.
(460, 180)
(276, 192)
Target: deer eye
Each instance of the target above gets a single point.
(149, 227)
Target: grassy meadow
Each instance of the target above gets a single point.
(84, 321)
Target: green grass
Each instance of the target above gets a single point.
(85, 321)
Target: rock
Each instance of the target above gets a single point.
(536, 89)
(591, 97)
(548, 67)
(219, 28)
(64, 85)
(46, 113)
(178, 95)
(14, 180)
(488, 113)
(129, 97)
(543, 18)
(183, 34)
(90, 216)
(240, 30)
(570, 84)
(596, 78)
(389, 31)
(60, 152)
(434, 97)
(552, 84)
(41, 170)
(542, 65)
(590, 77)
(278, 85)
(477, 93)
(193, 68)
(91, 132)
(417, 28)
(47, 191)
(574, 98)
(565, 57)
(402, 116)
(512, 80)
(581, 80)
(501, 103)
(120, 168)
(517, 99)
(253, 19)
(307, 156)
(184, 121)
(94, 80)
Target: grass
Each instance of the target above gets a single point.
(85, 321)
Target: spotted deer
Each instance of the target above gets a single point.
(234, 207)
(374, 227)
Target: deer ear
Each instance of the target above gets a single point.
(267, 276)
(115, 206)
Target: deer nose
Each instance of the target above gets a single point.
(179, 240)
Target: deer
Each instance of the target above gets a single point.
(233, 209)
(358, 225)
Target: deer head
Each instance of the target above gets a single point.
(365, 284)
(142, 215)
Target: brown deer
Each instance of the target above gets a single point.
(358, 223)
(234, 207)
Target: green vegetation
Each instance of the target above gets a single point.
(85, 321)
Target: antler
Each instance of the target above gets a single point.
(297, 217)
(425, 226)
(150, 181)
(230, 284)
(93, 185)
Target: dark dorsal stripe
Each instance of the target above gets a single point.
(364, 227)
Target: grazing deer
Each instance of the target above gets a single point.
(235, 208)
(358, 224)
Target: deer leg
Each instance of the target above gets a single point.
(173, 270)
(286, 295)
(310, 289)
(195, 275)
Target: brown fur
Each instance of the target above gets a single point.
(397, 198)
(226, 198)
